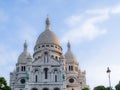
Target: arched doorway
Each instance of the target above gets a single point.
(34, 89)
(45, 89)
(56, 89)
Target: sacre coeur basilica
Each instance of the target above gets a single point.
(48, 68)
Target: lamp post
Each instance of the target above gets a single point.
(108, 71)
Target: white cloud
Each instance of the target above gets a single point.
(98, 11)
(73, 20)
(86, 26)
(87, 29)
(116, 10)
(110, 10)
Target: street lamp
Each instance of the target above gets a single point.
(108, 71)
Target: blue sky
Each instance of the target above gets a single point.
(92, 27)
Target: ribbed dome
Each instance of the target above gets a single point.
(69, 56)
(25, 55)
(48, 37)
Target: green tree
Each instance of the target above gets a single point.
(109, 88)
(117, 87)
(86, 88)
(101, 87)
(3, 84)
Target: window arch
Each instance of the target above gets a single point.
(56, 89)
(45, 89)
(71, 68)
(36, 78)
(46, 57)
(56, 57)
(52, 56)
(34, 89)
(55, 78)
(21, 68)
(46, 72)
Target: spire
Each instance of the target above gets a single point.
(69, 46)
(25, 46)
(47, 24)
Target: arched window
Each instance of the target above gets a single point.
(46, 72)
(52, 46)
(56, 89)
(56, 57)
(45, 89)
(71, 68)
(43, 46)
(34, 89)
(46, 57)
(47, 45)
(24, 68)
(36, 78)
(55, 78)
(21, 68)
(52, 56)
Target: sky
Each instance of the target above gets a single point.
(91, 26)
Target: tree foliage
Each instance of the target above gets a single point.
(109, 88)
(117, 87)
(3, 84)
(101, 87)
(86, 88)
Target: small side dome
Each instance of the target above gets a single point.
(69, 56)
(25, 55)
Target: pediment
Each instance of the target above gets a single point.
(48, 61)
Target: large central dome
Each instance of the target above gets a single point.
(47, 42)
(48, 37)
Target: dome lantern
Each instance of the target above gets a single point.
(69, 46)
(47, 24)
(25, 46)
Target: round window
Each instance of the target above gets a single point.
(22, 81)
(71, 80)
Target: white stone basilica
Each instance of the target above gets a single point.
(48, 69)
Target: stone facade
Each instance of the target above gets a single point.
(48, 69)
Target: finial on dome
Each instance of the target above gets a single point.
(25, 46)
(68, 45)
(47, 23)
